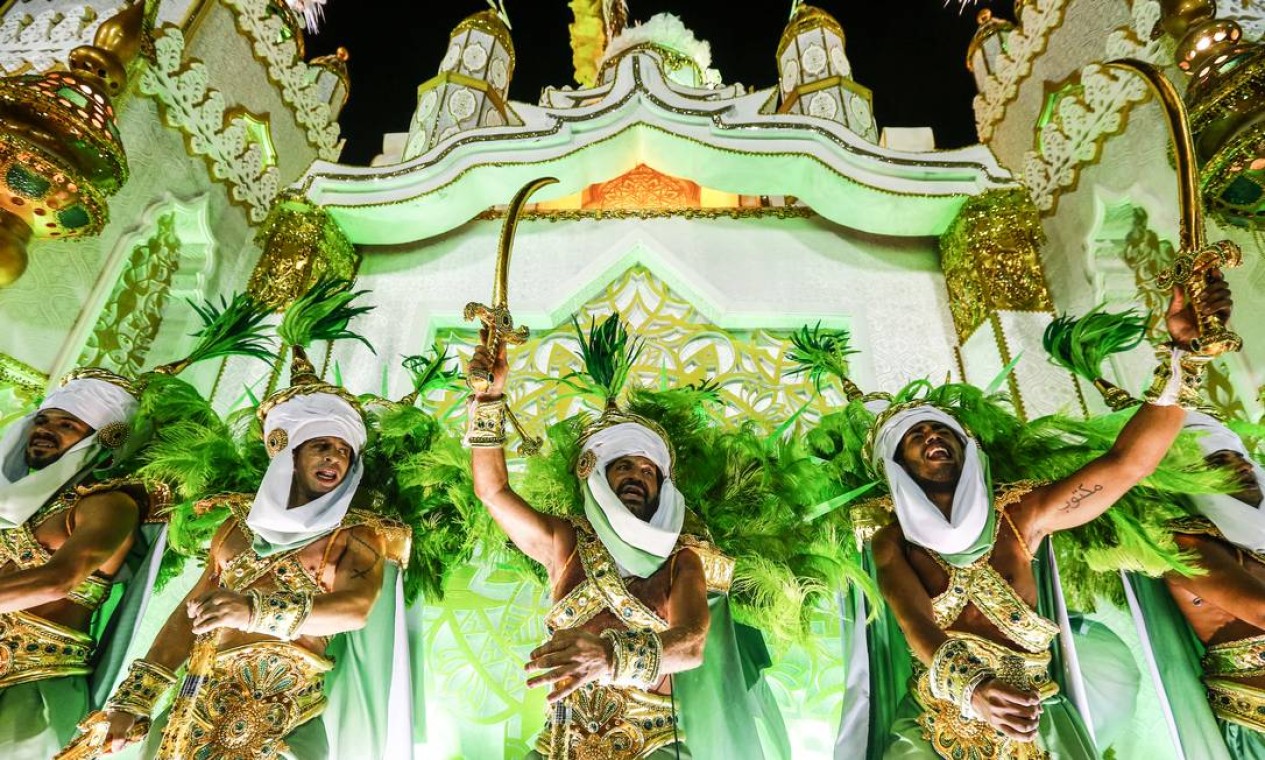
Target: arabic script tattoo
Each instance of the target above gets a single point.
(1081, 494)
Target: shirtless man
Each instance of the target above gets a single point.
(293, 566)
(62, 539)
(1225, 605)
(630, 601)
(956, 569)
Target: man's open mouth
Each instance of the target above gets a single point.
(43, 442)
(630, 488)
(327, 476)
(938, 453)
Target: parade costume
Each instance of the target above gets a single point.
(1207, 716)
(275, 697)
(746, 531)
(918, 711)
(46, 685)
(43, 682)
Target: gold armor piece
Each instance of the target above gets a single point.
(610, 723)
(33, 649)
(257, 694)
(1237, 703)
(953, 736)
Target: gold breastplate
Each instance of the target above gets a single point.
(980, 584)
(20, 547)
(608, 722)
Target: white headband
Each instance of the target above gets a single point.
(97, 402)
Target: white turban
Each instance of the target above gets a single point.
(922, 521)
(1242, 524)
(656, 537)
(276, 526)
(22, 492)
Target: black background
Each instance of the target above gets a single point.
(911, 53)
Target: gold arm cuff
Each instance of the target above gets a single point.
(144, 685)
(638, 656)
(279, 613)
(955, 673)
(1189, 388)
(485, 424)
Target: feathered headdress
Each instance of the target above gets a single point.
(1130, 536)
(747, 490)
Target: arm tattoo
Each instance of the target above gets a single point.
(358, 573)
(1081, 494)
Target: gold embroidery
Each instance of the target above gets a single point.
(979, 584)
(20, 547)
(1237, 703)
(953, 736)
(609, 723)
(1236, 659)
(33, 649)
(257, 694)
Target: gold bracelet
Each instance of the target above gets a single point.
(955, 673)
(140, 690)
(1179, 377)
(485, 424)
(279, 613)
(638, 657)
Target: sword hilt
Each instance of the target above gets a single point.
(1190, 273)
(499, 328)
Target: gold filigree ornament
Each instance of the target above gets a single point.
(277, 441)
(114, 435)
(585, 465)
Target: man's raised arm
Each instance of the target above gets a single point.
(1138, 450)
(531, 531)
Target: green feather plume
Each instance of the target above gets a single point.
(820, 354)
(323, 313)
(427, 373)
(422, 476)
(1081, 345)
(234, 328)
(607, 354)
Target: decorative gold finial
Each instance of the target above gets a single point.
(60, 151)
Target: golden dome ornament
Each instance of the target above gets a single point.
(60, 150)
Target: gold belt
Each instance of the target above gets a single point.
(33, 649)
(256, 695)
(1237, 703)
(959, 738)
(615, 723)
(1236, 659)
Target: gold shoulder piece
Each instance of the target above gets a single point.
(155, 496)
(397, 535)
(1010, 493)
(718, 567)
(870, 516)
(1194, 525)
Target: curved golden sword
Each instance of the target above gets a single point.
(496, 319)
(1196, 257)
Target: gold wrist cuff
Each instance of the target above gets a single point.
(279, 613)
(1187, 389)
(956, 672)
(638, 657)
(141, 689)
(485, 424)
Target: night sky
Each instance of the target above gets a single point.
(912, 58)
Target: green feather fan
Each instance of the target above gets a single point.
(323, 313)
(428, 374)
(234, 328)
(820, 354)
(1081, 345)
(607, 355)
